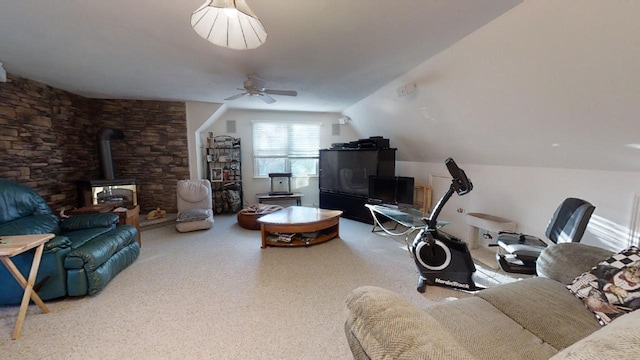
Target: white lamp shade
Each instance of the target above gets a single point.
(229, 23)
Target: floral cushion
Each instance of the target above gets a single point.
(611, 288)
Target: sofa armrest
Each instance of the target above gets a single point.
(57, 243)
(88, 221)
(564, 262)
(618, 340)
(382, 325)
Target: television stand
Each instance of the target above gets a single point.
(351, 205)
(263, 198)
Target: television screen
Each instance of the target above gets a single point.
(347, 171)
(397, 190)
(404, 191)
(382, 189)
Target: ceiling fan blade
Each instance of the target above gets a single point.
(268, 99)
(236, 96)
(281, 92)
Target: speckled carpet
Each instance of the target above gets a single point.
(216, 295)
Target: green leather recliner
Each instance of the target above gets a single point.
(88, 251)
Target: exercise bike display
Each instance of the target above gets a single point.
(442, 259)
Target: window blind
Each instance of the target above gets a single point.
(304, 140)
(270, 139)
(273, 139)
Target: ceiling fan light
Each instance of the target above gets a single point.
(254, 87)
(229, 23)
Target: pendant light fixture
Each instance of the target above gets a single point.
(229, 23)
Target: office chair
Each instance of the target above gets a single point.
(567, 224)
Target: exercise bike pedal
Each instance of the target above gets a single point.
(422, 285)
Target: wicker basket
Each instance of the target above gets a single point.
(248, 217)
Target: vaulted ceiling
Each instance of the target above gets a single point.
(333, 52)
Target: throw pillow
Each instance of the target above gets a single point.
(193, 215)
(192, 191)
(611, 288)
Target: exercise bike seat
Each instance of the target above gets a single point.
(567, 224)
(522, 252)
(521, 244)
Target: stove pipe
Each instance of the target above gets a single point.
(104, 150)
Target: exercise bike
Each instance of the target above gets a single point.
(442, 259)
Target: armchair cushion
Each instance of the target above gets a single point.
(80, 237)
(91, 266)
(32, 224)
(102, 245)
(57, 243)
(18, 201)
(88, 221)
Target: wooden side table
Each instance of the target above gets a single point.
(131, 217)
(11, 246)
(263, 198)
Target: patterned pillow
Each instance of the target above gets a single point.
(193, 215)
(611, 288)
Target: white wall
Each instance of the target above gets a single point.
(244, 118)
(550, 83)
(530, 195)
(538, 105)
(199, 115)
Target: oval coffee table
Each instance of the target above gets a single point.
(309, 225)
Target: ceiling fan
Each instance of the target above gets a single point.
(254, 86)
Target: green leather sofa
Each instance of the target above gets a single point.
(87, 252)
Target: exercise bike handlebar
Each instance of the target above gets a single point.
(460, 184)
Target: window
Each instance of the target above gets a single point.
(286, 147)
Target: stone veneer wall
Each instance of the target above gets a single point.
(48, 142)
(44, 139)
(154, 150)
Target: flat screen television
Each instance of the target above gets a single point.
(395, 190)
(347, 171)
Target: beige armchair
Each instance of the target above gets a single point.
(195, 205)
